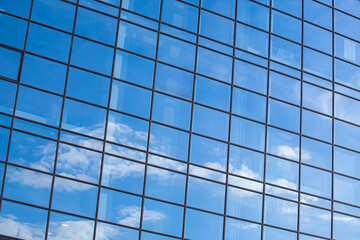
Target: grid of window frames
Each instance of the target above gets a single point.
(180, 119)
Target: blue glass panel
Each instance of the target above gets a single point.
(316, 153)
(123, 174)
(282, 172)
(346, 190)
(345, 227)
(83, 118)
(316, 125)
(162, 217)
(247, 133)
(226, 8)
(100, 6)
(134, 69)
(7, 97)
(96, 26)
(171, 111)
(169, 142)
(285, 88)
(250, 12)
(36, 128)
(252, 40)
(148, 8)
(346, 74)
(140, 20)
(347, 49)
(197, 225)
(214, 65)
(22, 221)
(317, 63)
(347, 135)
(130, 99)
(318, 38)
(74, 197)
(10, 62)
(315, 221)
(250, 76)
(284, 115)
(31, 151)
(317, 99)
(137, 39)
(212, 93)
(286, 52)
(43, 73)
(48, 42)
(216, 27)
(12, 31)
(38, 106)
(318, 13)
(128, 208)
(280, 213)
(174, 81)
(241, 230)
(78, 163)
(113, 232)
(291, 30)
(27, 186)
(211, 122)
(19, 7)
(320, 187)
(180, 15)
(283, 143)
(248, 104)
(346, 25)
(293, 7)
(4, 137)
(127, 130)
(176, 52)
(88, 87)
(274, 233)
(350, 6)
(92, 56)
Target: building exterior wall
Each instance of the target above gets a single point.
(160, 119)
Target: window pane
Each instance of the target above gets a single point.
(10, 62)
(280, 213)
(252, 13)
(180, 15)
(284, 115)
(252, 40)
(315, 181)
(216, 27)
(285, 88)
(291, 30)
(248, 104)
(12, 31)
(148, 8)
(283, 143)
(247, 133)
(7, 98)
(250, 76)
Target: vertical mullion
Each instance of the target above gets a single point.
(333, 119)
(106, 124)
(61, 118)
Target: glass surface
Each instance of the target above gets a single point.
(292, 7)
(254, 14)
(48, 42)
(274, 233)
(180, 15)
(316, 125)
(317, 63)
(226, 8)
(214, 65)
(216, 27)
(347, 49)
(283, 144)
(22, 221)
(317, 38)
(39, 106)
(280, 213)
(315, 181)
(31, 151)
(200, 190)
(247, 133)
(171, 111)
(130, 99)
(20, 7)
(148, 8)
(43, 73)
(316, 153)
(248, 104)
(96, 90)
(112, 232)
(346, 190)
(84, 118)
(346, 25)
(347, 135)
(166, 185)
(197, 225)
(10, 63)
(241, 230)
(250, 76)
(346, 162)
(169, 142)
(137, 39)
(92, 56)
(252, 40)
(285, 88)
(96, 26)
(317, 99)
(163, 217)
(127, 130)
(74, 197)
(210, 122)
(284, 115)
(282, 172)
(318, 13)
(244, 204)
(12, 31)
(7, 99)
(345, 227)
(128, 208)
(285, 52)
(134, 69)
(291, 30)
(346, 74)
(315, 221)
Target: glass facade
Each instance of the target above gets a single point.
(180, 119)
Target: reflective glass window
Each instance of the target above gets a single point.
(148, 8)
(315, 221)
(211, 122)
(347, 135)
(38, 106)
(134, 69)
(96, 26)
(225, 8)
(214, 65)
(317, 99)
(291, 30)
(316, 125)
(280, 213)
(180, 15)
(284, 115)
(212, 93)
(48, 42)
(346, 25)
(346, 162)
(283, 143)
(316, 153)
(315, 181)
(127, 130)
(88, 87)
(317, 63)
(12, 31)
(250, 12)
(100, 6)
(345, 227)
(130, 99)
(43, 73)
(10, 63)
(346, 190)
(346, 74)
(250, 76)
(171, 111)
(216, 27)
(241, 230)
(292, 7)
(317, 38)
(275, 233)
(252, 40)
(7, 98)
(248, 104)
(284, 88)
(92, 56)
(169, 142)
(84, 118)
(347, 49)
(137, 39)
(318, 13)
(282, 172)
(20, 7)
(247, 133)
(113, 232)
(285, 52)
